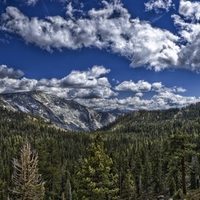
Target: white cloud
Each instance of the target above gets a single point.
(10, 72)
(144, 86)
(54, 82)
(190, 10)
(80, 84)
(110, 27)
(85, 84)
(189, 30)
(158, 5)
(139, 94)
(164, 100)
(103, 82)
(100, 94)
(180, 89)
(70, 10)
(168, 99)
(157, 86)
(31, 2)
(127, 86)
(87, 79)
(75, 79)
(9, 85)
(140, 86)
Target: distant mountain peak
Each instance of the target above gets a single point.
(67, 114)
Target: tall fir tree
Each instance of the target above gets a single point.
(95, 177)
(128, 186)
(181, 148)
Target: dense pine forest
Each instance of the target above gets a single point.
(140, 156)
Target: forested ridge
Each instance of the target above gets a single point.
(142, 155)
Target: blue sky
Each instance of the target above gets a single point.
(107, 55)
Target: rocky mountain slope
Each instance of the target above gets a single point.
(66, 114)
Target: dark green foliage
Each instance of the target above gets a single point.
(140, 150)
(58, 151)
(128, 186)
(178, 195)
(181, 147)
(172, 186)
(95, 178)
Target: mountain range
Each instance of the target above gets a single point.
(150, 141)
(66, 114)
(70, 115)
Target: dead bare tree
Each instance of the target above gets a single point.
(27, 181)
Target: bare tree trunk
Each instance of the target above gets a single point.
(26, 179)
(70, 191)
(183, 170)
(183, 175)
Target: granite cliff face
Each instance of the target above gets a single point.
(66, 114)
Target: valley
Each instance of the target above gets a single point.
(142, 153)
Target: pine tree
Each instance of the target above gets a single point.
(27, 181)
(95, 179)
(128, 186)
(181, 147)
(138, 172)
(172, 186)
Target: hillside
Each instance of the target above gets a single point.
(145, 149)
(66, 114)
(127, 122)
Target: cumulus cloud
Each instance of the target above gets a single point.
(157, 86)
(158, 5)
(140, 86)
(189, 29)
(168, 99)
(10, 72)
(163, 100)
(10, 85)
(110, 27)
(78, 84)
(190, 10)
(70, 9)
(87, 79)
(180, 89)
(98, 94)
(139, 94)
(144, 86)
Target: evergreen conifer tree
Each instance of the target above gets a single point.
(128, 186)
(95, 178)
(181, 147)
